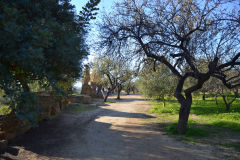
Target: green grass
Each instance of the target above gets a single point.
(193, 134)
(170, 108)
(191, 131)
(4, 110)
(203, 112)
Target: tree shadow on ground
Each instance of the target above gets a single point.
(107, 144)
(86, 137)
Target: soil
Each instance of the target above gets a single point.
(114, 131)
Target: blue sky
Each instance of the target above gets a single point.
(105, 5)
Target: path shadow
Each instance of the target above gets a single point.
(71, 136)
(135, 146)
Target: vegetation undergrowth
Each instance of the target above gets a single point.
(5, 109)
(190, 132)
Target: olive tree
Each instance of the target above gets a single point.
(156, 81)
(178, 33)
(112, 74)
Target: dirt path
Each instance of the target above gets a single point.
(115, 131)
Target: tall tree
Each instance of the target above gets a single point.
(41, 41)
(178, 33)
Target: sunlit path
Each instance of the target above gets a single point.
(114, 131)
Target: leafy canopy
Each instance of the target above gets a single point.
(41, 41)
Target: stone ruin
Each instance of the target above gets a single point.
(12, 126)
(89, 87)
(86, 89)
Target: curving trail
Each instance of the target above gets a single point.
(115, 131)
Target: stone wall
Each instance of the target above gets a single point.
(50, 105)
(12, 126)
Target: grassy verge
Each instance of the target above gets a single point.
(203, 113)
(207, 123)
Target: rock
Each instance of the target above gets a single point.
(50, 105)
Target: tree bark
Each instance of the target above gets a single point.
(184, 115)
(164, 103)
(128, 91)
(133, 90)
(105, 96)
(119, 89)
(204, 96)
(216, 100)
(227, 107)
(225, 99)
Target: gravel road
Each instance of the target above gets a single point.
(114, 131)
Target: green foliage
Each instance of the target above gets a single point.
(110, 71)
(41, 42)
(156, 84)
(172, 107)
(89, 12)
(172, 129)
(4, 110)
(227, 124)
(26, 108)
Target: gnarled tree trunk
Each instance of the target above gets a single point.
(216, 100)
(225, 99)
(184, 114)
(204, 96)
(164, 102)
(105, 96)
(119, 89)
(128, 90)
